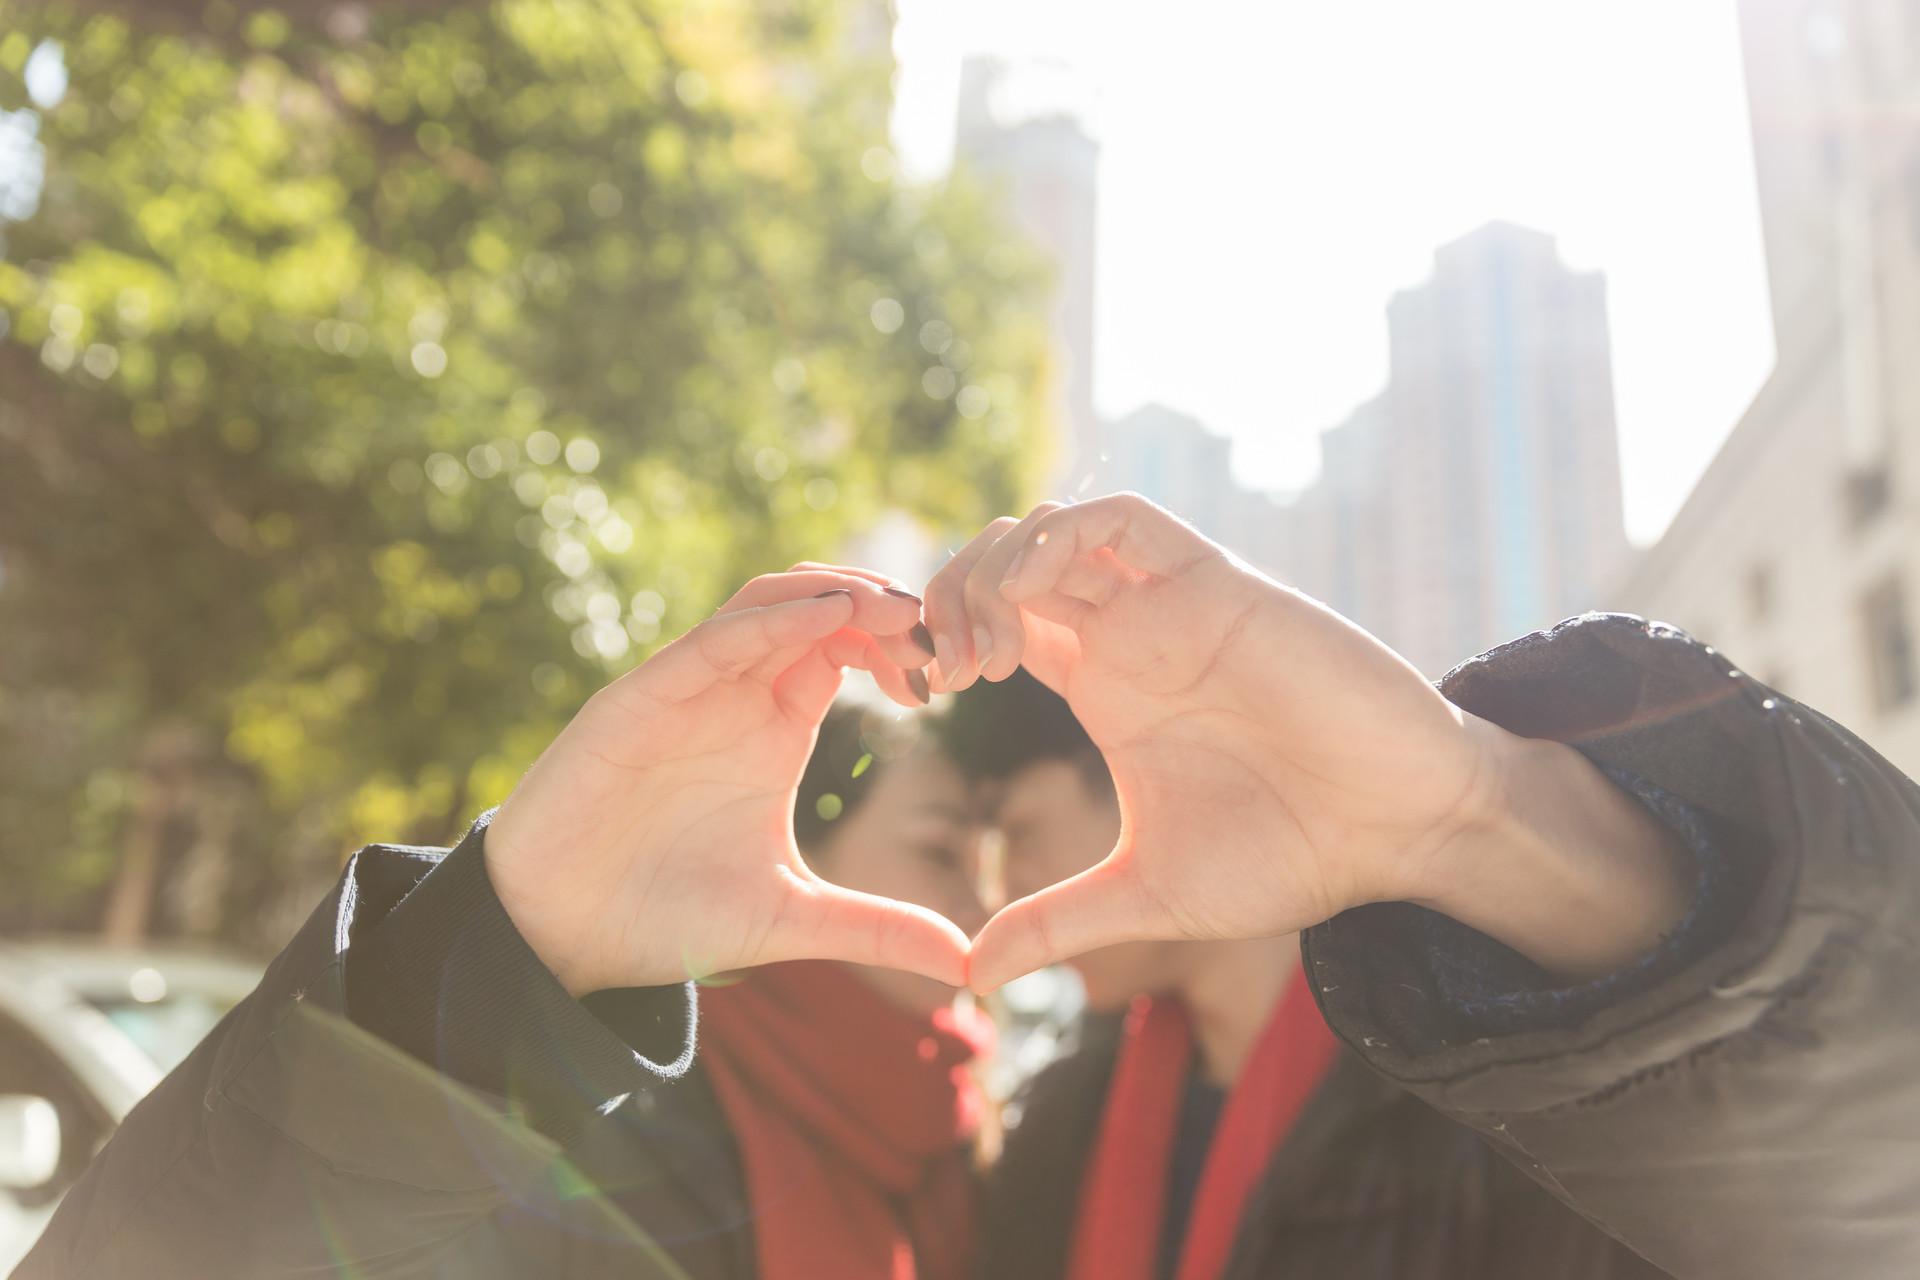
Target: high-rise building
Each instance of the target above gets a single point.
(1502, 466)
(1477, 496)
(1047, 169)
(1799, 550)
(1169, 457)
(1340, 544)
(1172, 458)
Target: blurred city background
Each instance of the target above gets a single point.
(1752, 171)
(378, 379)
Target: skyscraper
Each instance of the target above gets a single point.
(1170, 457)
(1340, 543)
(1476, 497)
(1047, 169)
(1501, 460)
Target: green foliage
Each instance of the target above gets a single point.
(368, 397)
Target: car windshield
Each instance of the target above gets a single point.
(167, 1029)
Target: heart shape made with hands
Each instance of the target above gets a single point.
(1274, 763)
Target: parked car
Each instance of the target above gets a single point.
(85, 1031)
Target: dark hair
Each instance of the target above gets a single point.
(994, 730)
(836, 782)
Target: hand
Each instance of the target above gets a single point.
(1275, 764)
(653, 840)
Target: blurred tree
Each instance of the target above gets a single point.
(373, 385)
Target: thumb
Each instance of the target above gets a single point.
(823, 921)
(1101, 906)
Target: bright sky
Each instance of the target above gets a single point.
(1272, 172)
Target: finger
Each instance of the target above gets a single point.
(912, 648)
(1095, 578)
(906, 686)
(769, 588)
(807, 687)
(1100, 907)
(994, 623)
(849, 647)
(770, 665)
(851, 570)
(889, 613)
(1142, 537)
(824, 921)
(946, 609)
(728, 645)
(805, 681)
(1051, 623)
(1052, 648)
(1056, 606)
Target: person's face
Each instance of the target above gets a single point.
(1057, 823)
(914, 837)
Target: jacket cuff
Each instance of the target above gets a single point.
(1438, 1007)
(1486, 988)
(447, 977)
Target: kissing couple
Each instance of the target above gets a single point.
(1594, 960)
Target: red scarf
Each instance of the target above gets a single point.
(853, 1119)
(1123, 1200)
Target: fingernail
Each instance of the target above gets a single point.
(837, 591)
(903, 595)
(943, 654)
(918, 683)
(922, 637)
(1013, 570)
(982, 647)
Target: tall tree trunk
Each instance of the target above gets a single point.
(197, 898)
(165, 764)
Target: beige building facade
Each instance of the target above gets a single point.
(1798, 554)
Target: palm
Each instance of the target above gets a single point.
(688, 806)
(1246, 730)
(675, 785)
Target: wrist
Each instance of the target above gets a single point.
(1548, 856)
(554, 942)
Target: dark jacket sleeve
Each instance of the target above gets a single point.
(298, 1140)
(1749, 1106)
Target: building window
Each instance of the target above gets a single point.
(1890, 652)
(1866, 491)
(1760, 592)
